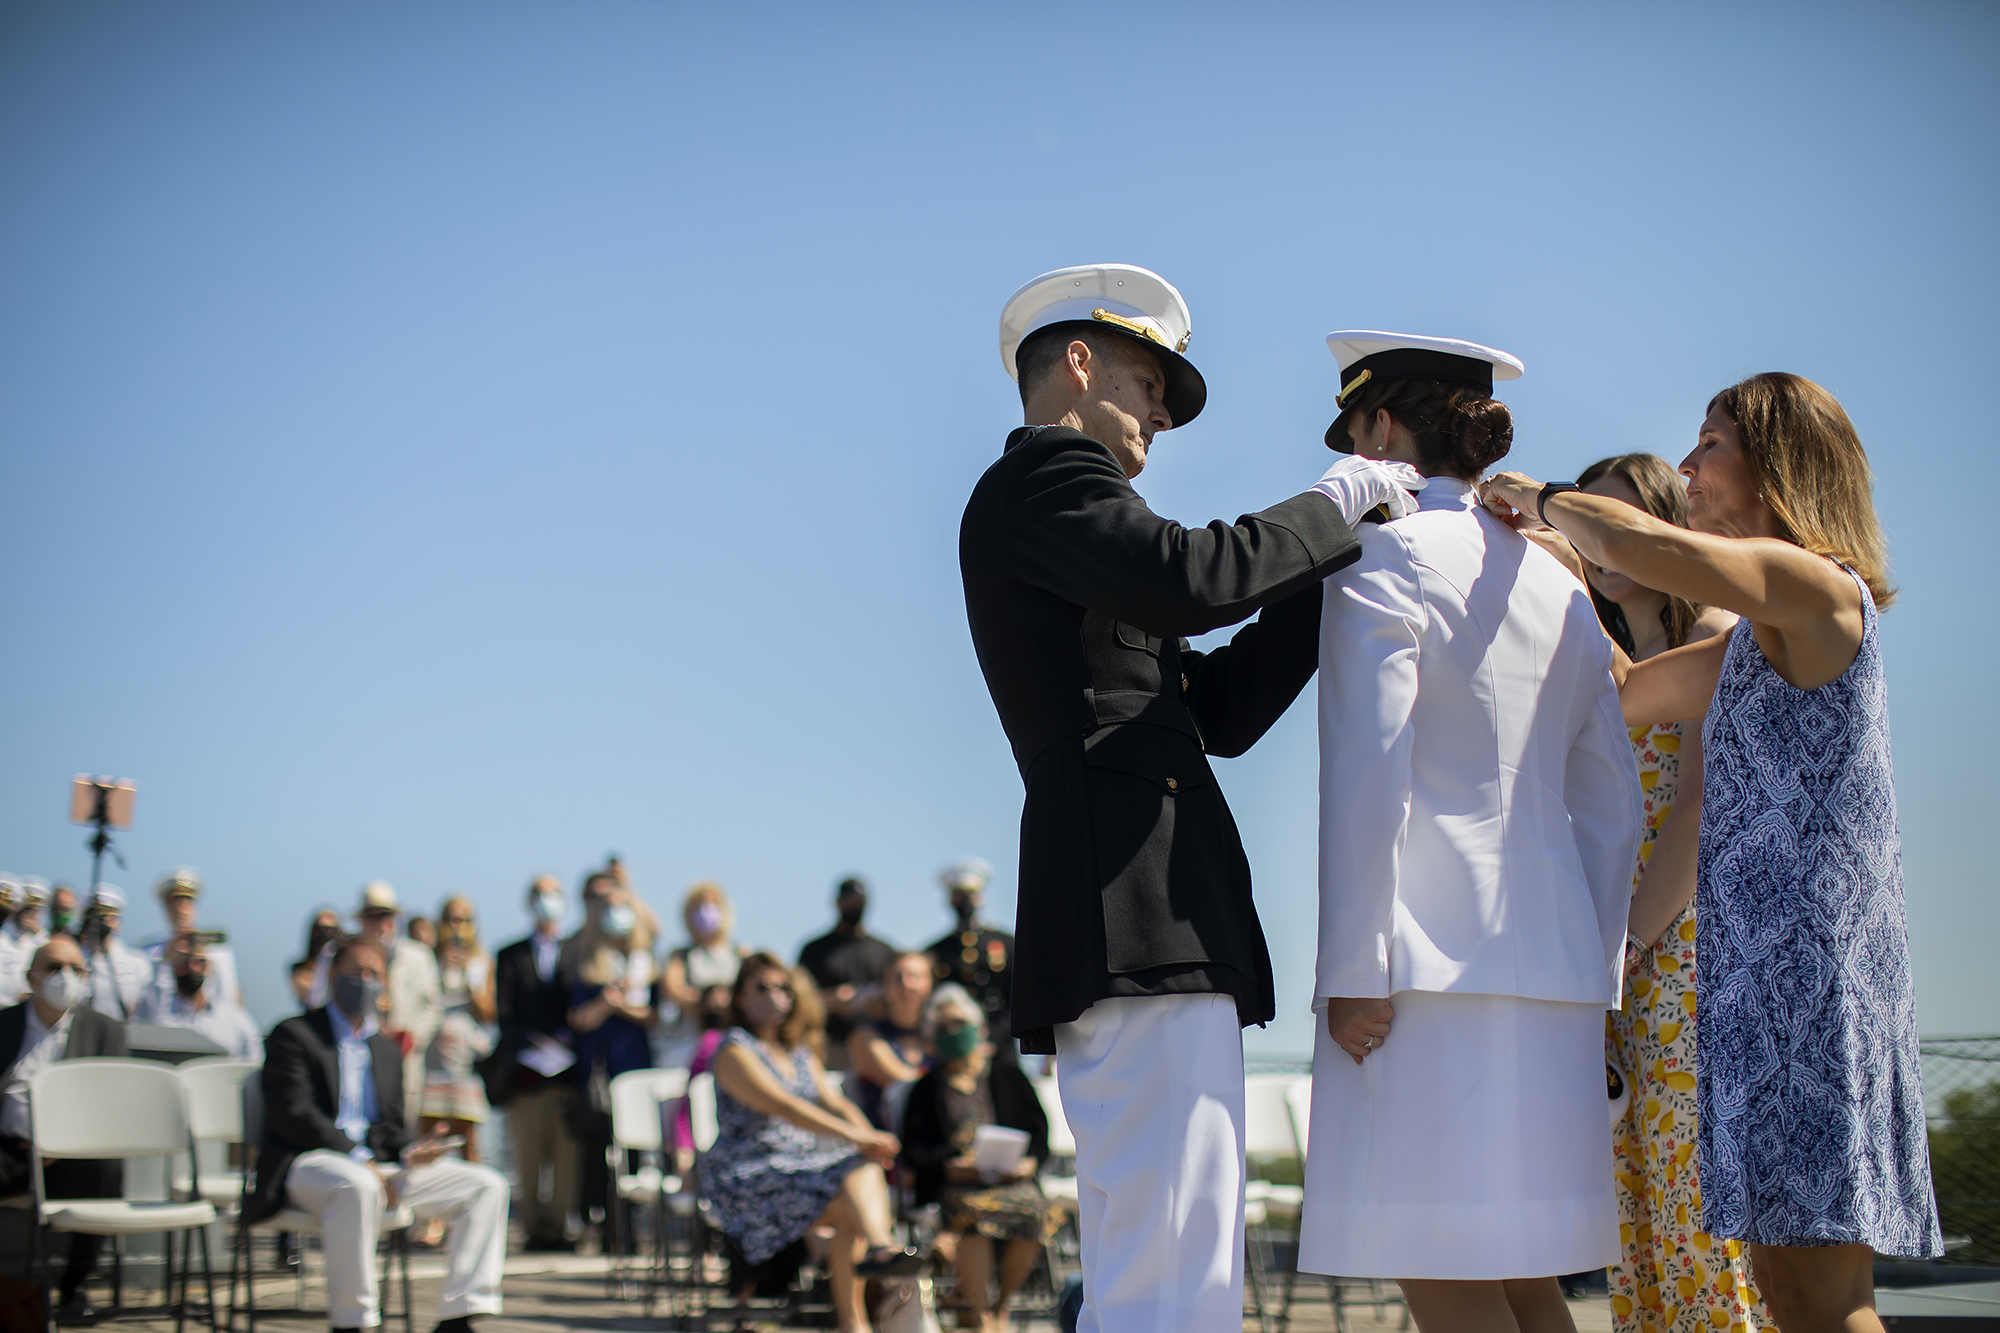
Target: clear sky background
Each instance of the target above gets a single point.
(443, 442)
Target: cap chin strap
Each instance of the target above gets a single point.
(1340, 399)
(1129, 325)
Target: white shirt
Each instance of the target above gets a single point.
(227, 1025)
(545, 949)
(416, 995)
(119, 978)
(17, 952)
(357, 1108)
(41, 1046)
(1479, 806)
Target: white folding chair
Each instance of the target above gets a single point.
(684, 1206)
(396, 1224)
(214, 1089)
(1298, 1109)
(636, 1131)
(97, 1109)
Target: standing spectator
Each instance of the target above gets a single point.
(423, 932)
(119, 974)
(185, 1003)
(20, 937)
(968, 1089)
(56, 1025)
(614, 1003)
(320, 935)
(885, 1055)
(709, 960)
(453, 1096)
(846, 964)
(62, 911)
(179, 893)
(529, 1072)
(337, 1144)
(416, 1000)
(977, 956)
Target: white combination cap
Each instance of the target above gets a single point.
(109, 897)
(180, 882)
(1117, 298)
(34, 890)
(967, 873)
(1370, 356)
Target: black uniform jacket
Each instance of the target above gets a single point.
(301, 1077)
(1133, 878)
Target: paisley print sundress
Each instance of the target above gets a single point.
(1808, 1086)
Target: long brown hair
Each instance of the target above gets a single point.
(1663, 495)
(1806, 460)
(1458, 430)
(807, 1009)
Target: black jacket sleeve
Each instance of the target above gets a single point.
(292, 1114)
(1236, 692)
(389, 1134)
(1077, 529)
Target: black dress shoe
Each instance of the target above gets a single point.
(75, 1309)
(888, 1262)
(462, 1324)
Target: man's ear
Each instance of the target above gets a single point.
(1077, 365)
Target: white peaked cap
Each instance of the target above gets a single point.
(1117, 298)
(1371, 355)
(967, 873)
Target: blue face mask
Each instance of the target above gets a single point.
(548, 907)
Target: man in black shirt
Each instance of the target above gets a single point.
(847, 964)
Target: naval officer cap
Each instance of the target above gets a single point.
(1124, 299)
(1369, 356)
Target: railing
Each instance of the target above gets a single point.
(1962, 1100)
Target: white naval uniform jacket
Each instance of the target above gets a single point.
(1479, 804)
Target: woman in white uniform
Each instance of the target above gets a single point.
(1479, 816)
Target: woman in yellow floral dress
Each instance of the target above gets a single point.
(1670, 1277)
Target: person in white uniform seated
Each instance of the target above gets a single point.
(119, 974)
(186, 1002)
(336, 1145)
(1479, 816)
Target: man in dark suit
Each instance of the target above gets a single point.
(531, 997)
(335, 1145)
(56, 1023)
(1138, 953)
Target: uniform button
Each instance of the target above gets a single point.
(1173, 785)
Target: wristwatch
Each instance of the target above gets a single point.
(1542, 501)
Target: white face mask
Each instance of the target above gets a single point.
(62, 988)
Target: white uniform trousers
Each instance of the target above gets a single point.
(1153, 1091)
(348, 1200)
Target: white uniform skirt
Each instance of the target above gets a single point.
(1474, 1144)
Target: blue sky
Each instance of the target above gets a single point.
(444, 442)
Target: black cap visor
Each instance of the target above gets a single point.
(1405, 363)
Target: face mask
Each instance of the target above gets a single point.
(766, 1009)
(62, 988)
(955, 1043)
(966, 906)
(60, 922)
(619, 920)
(851, 915)
(706, 918)
(358, 997)
(548, 907)
(188, 984)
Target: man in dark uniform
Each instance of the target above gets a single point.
(975, 955)
(846, 964)
(1139, 954)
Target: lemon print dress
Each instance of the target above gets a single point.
(1671, 1277)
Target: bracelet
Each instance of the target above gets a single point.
(1542, 500)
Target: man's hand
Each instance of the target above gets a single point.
(1358, 1026)
(1359, 484)
(426, 1149)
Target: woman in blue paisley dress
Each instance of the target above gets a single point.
(791, 1152)
(1812, 1144)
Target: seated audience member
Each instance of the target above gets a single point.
(179, 893)
(54, 1025)
(20, 937)
(306, 979)
(966, 1089)
(336, 1145)
(186, 1003)
(887, 1054)
(119, 974)
(532, 1000)
(773, 1174)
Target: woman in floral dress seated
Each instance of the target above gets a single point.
(966, 1089)
(773, 1175)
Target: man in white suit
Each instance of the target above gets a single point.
(1479, 816)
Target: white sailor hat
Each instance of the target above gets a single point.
(34, 891)
(968, 873)
(1118, 298)
(1369, 356)
(108, 898)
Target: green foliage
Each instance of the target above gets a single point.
(1965, 1164)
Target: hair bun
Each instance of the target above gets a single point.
(1480, 430)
